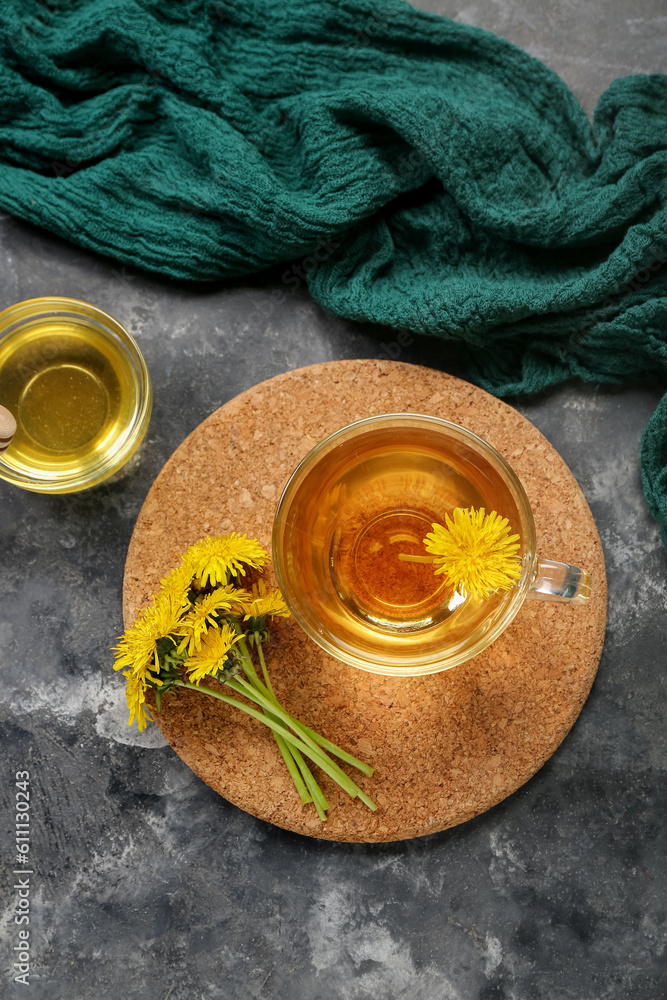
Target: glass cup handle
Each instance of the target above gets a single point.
(556, 581)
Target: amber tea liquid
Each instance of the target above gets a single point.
(73, 393)
(360, 508)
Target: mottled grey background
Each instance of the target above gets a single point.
(147, 884)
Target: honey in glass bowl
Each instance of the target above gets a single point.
(78, 387)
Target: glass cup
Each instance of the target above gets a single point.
(348, 545)
(77, 384)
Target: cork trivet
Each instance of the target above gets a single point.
(445, 747)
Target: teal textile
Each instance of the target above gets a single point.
(423, 173)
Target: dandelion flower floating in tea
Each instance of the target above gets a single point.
(202, 624)
(475, 552)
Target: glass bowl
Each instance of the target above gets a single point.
(78, 386)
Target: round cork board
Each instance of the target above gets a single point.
(445, 747)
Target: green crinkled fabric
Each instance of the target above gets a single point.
(427, 174)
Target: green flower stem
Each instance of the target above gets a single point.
(262, 688)
(265, 672)
(336, 751)
(320, 811)
(327, 766)
(292, 767)
(320, 740)
(314, 788)
(309, 791)
(367, 801)
(244, 688)
(404, 557)
(289, 737)
(306, 745)
(246, 660)
(316, 754)
(306, 785)
(296, 766)
(267, 700)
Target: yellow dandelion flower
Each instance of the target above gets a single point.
(212, 652)
(242, 599)
(475, 551)
(179, 581)
(266, 602)
(216, 559)
(137, 648)
(195, 623)
(136, 697)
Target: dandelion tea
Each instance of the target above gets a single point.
(362, 506)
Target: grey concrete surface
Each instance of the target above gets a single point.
(146, 884)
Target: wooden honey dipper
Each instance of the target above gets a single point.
(7, 428)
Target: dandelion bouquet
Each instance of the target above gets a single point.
(203, 624)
